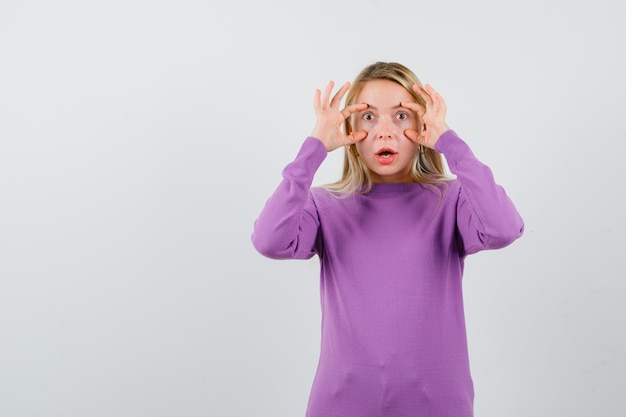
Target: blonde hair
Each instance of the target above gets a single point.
(427, 166)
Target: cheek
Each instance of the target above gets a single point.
(360, 124)
(408, 124)
(409, 148)
(365, 147)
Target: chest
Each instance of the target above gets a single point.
(393, 226)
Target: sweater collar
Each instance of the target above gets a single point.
(380, 188)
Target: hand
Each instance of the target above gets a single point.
(330, 119)
(432, 117)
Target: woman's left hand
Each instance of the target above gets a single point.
(432, 117)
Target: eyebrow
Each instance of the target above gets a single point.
(369, 106)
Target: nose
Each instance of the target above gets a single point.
(384, 129)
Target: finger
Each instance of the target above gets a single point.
(339, 95)
(413, 135)
(416, 107)
(423, 94)
(431, 91)
(353, 108)
(441, 102)
(355, 137)
(439, 107)
(327, 91)
(411, 105)
(317, 99)
(437, 99)
(419, 109)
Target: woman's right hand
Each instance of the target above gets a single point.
(328, 126)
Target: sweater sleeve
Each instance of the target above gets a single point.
(288, 225)
(486, 217)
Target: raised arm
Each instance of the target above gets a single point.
(288, 226)
(486, 217)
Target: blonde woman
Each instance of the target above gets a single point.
(392, 236)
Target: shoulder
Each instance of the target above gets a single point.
(324, 199)
(449, 189)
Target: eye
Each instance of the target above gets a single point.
(402, 116)
(368, 116)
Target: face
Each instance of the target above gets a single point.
(386, 151)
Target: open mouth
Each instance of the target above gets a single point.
(385, 153)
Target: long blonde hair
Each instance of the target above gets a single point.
(427, 166)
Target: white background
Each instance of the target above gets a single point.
(140, 139)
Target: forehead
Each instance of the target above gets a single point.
(383, 94)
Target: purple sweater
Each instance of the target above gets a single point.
(393, 327)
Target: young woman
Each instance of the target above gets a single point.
(392, 236)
